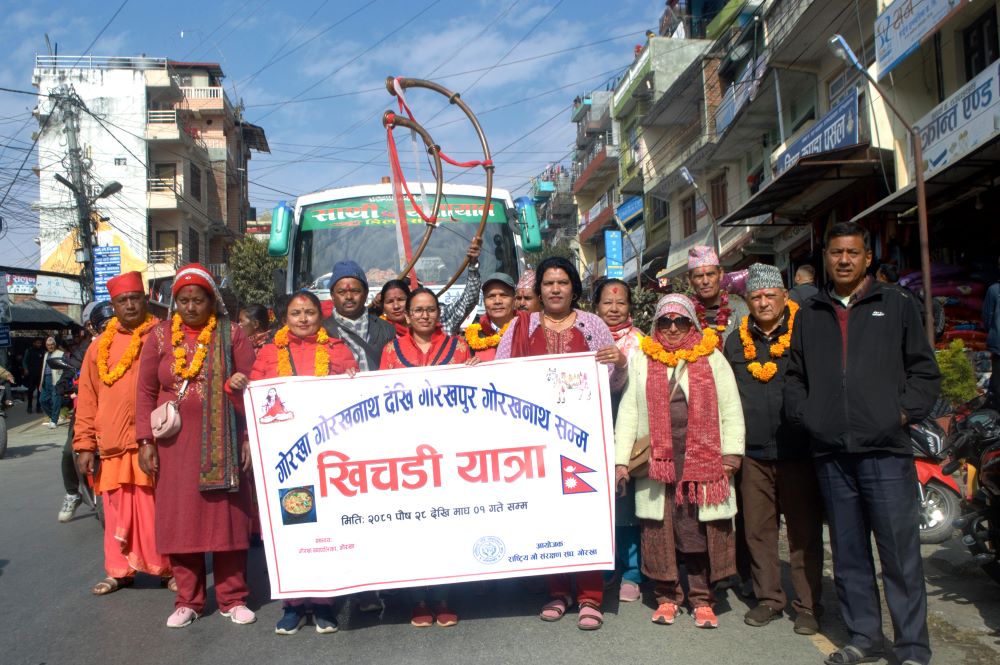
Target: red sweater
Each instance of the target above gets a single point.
(303, 352)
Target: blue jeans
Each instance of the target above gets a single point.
(50, 401)
(877, 493)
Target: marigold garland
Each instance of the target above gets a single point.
(109, 378)
(478, 343)
(764, 372)
(655, 350)
(181, 368)
(321, 364)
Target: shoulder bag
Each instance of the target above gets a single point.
(165, 420)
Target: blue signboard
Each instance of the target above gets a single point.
(904, 24)
(4, 336)
(107, 264)
(630, 209)
(613, 251)
(836, 129)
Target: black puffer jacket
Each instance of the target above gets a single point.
(857, 404)
(769, 435)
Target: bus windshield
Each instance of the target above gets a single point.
(364, 229)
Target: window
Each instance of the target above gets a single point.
(661, 209)
(720, 196)
(688, 216)
(164, 177)
(194, 246)
(120, 161)
(980, 43)
(194, 184)
(183, 80)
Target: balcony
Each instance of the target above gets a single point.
(205, 98)
(162, 193)
(164, 126)
(595, 219)
(591, 172)
(168, 257)
(580, 110)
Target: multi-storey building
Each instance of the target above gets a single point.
(169, 134)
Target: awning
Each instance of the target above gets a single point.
(808, 184)
(254, 137)
(947, 188)
(33, 314)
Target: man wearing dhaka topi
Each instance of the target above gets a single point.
(108, 387)
(715, 306)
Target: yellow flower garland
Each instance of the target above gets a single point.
(321, 364)
(181, 369)
(478, 343)
(110, 377)
(764, 372)
(655, 350)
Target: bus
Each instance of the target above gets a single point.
(359, 223)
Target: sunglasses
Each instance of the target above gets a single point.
(682, 323)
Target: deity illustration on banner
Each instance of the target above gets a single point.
(274, 409)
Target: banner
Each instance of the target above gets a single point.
(433, 475)
(904, 24)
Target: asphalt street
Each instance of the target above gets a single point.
(50, 616)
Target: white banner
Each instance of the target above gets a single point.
(434, 475)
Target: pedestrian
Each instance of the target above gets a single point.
(991, 321)
(561, 327)
(682, 395)
(365, 334)
(105, 427)
(31, 372)
(613, 303)
(391, 304)
(302, 348)
(50, 400)
(255, 322)
(525, 299)
(484, 335)
(199, 360)
(776, 477)
(860, 369)
(805, 284)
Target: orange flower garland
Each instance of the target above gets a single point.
(181, 369)
(655, 350)
(110, 377)
(764, 372)
(478, 343)
(322, 362)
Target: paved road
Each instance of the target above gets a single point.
(46, 569)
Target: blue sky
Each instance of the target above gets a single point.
(508, 58)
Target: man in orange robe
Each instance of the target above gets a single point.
(105, 426)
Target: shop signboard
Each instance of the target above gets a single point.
(836, 129)
(4, 336)
(22, 285)
(960, 124)
(630, 209)
(107, 264)
(613, 254)
(56, 288)
(904, 24)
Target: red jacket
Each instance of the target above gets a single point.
(303, 353)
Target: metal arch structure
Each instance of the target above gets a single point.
(390, 119)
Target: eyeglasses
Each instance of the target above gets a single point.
(423, 311)
(682, 323)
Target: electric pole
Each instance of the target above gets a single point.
(71, 127)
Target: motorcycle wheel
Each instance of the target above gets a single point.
(940, 509)
(3, 436)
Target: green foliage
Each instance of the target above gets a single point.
(250, 271)
(561, 248)
(958, 377)
(643, 304)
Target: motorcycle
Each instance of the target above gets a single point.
(5, 403)
(940, 495)
(977, 444)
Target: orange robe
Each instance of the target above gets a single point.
(105, 424)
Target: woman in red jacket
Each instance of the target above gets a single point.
(302, 348)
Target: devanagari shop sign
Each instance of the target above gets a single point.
(433, 475)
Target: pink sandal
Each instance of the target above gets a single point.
(554, 609)
(590, 618)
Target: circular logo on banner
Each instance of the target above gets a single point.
(488, 549)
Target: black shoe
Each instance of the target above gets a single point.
(806, 623)
(761, 616)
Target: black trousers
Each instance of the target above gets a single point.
(71, 482)
(877, 493)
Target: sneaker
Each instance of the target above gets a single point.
(62, 421)
(323, 618)
(69, 505)
(50, 424)
(182, 616)
(629, 592)
(666, 613)
(445, 617)
(368, 601)
(704, 617)
(761, 615)
(421, 617)
(290, 622)
(806, 623)
(240, 614)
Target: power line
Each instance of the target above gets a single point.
(101, 32)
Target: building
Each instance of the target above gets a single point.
(168, 133)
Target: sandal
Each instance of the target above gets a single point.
(169, 583)
(849, 655)
(110, 585)
(590, 618)
(554, 609)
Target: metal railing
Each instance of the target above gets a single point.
(161, 117)
(166, 256)
(98, 62)
(162, 184)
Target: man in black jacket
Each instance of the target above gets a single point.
(364, 333)
(777, 476)
(860, 369)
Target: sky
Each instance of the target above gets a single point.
(312, 72)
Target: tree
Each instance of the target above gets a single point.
(561, 248)
(251, 270)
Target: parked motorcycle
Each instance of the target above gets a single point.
(5, 403)
(940, 495)
(977, 444)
